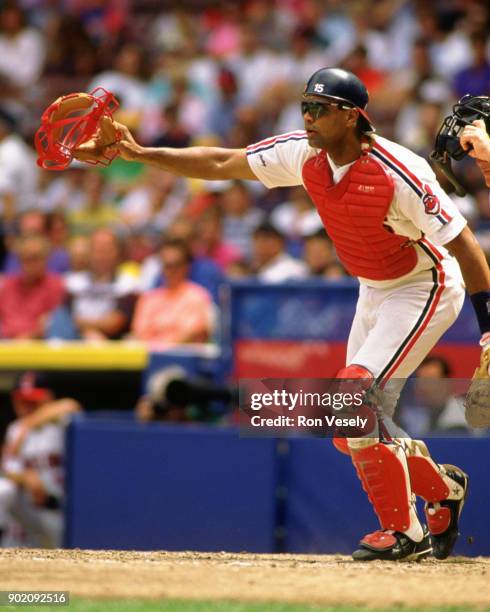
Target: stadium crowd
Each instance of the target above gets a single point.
(101, 253)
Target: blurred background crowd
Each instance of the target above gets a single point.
(98, 253)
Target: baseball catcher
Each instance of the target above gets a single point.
(397, 231)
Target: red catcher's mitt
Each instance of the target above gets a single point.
(72, 120)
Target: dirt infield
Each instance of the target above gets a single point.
(329, 579)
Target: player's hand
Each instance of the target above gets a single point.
(127, 147)
(33, 483)
(476, 136)
(95, 149)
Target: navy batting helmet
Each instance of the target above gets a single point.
(344, 87)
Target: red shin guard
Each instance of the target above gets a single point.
(384, 477)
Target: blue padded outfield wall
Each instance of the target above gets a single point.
(148, 487)
(169, 487)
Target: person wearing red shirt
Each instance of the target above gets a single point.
(28, 298)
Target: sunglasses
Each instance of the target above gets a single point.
(319, 109)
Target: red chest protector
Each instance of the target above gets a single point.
(353, 212)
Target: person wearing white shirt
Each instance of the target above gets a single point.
(270, 260)
(18, 171)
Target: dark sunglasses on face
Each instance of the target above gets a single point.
(319, 109)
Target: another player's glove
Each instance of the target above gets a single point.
(477, 402)
(74, 120)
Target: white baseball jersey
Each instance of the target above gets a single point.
(42, 450)
(420, 207)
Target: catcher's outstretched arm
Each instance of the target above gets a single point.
(212, 163)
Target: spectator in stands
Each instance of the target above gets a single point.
(223, 113)
(240, 218)
(192, 109)
(357, 62)
(174, 132)
(297, 217)
(29, 297)
(64, 191)
(54, 228)
(450, 45)
(319, 256)
(22, 50)
(31, 487)
(417, 123)
(475, 79)
(126, 83)
(256, 67)
(304, 57)
(71, 52)
(210, 241)
(100, 302)
(179, 312)
(203, 270)
(154, 201)
(270, 261)
(96, 211)
(436, 409)
(79, 261)
(18, 170)
(58, 232)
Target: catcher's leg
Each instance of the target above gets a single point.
(444, 489)
(382, 468)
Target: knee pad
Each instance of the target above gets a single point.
(358, 381)
(357, 372)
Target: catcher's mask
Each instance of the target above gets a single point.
(468, 109)
(68, 122)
